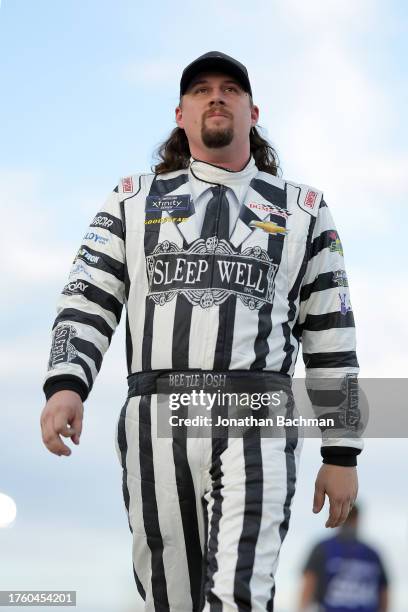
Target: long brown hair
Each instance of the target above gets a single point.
(174, 153)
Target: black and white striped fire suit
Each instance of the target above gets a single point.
(207, 516)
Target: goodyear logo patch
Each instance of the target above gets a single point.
(165, 220)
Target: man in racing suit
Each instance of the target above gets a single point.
(224, 268)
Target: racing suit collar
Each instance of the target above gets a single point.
(209, 174)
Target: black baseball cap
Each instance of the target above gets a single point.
(215, 61)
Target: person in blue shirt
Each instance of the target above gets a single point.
(343, 574)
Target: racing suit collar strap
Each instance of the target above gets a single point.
(210, 173)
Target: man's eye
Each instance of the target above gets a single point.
(231, 88)
(201, 90)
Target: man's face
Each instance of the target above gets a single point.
(215, 112)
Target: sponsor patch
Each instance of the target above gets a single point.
(209, 271)
(75, 288)
(335, 245)
(102, 221)
(269, 227)
(96, 238)
(61, 348)
(345, 305)
(166, 220)
(310, 199)
(127, 184)
(350, 415)
(84, 254)
(340, 278)
(168, 203)
(270, 208)
(79, 268)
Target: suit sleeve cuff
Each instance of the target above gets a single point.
(65, 383)
(340, 455)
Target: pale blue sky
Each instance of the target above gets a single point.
(89, 90)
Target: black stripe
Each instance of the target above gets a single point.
(321, 283)
(247, 215)
(188, 509)
(289, 348)
(226, 326)
(89, 349)
(87, 370)
(204, 504)
(123, 446)
(323, 241)
(329, 320)
(95, 294)
(87, 318)
(164, 186)
(108, 222)
(149, 505)
(212, 548)
(275, 249)
(270, 605)
(273, 194)
(219, 444)
(139, 585)
(322, 204)
(252, 519)
(181, 333)
(129, 343)
(151, 238)
(290, 446)
(104, 262)
(129, 346)
(338, 359)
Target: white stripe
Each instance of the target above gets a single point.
(81, 303)
(162, 342)
(140, 551)
(243, 353)
(324, 302)
(231, 523)
(324, 261)
(269, 541)
(329, 340)
(171, 526)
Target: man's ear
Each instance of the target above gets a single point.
(254, 115)
(179, 117)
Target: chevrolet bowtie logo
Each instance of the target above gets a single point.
(269, 226)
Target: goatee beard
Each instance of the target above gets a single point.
(215, 139)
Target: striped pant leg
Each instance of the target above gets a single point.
(248, 500)
(161, 489)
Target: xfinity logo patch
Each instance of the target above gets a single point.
(168, 203)
(209, 271)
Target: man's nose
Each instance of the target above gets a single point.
(217, 97)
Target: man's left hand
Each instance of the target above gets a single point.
(340, 484)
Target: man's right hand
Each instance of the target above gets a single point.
(62, 416)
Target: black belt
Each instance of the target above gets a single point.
(145, 383)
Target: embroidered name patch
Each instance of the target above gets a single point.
(168, 203)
